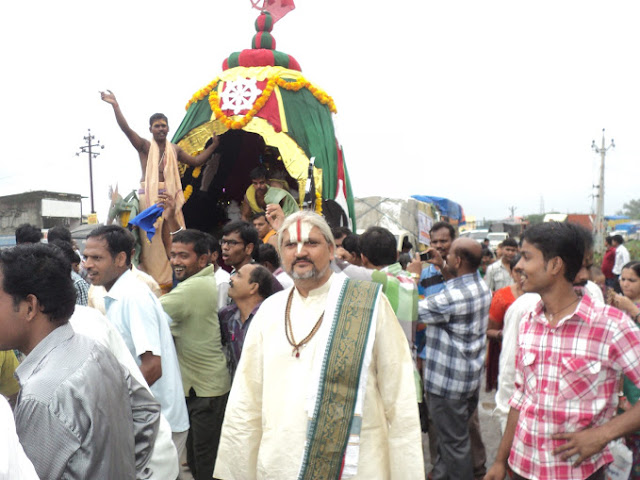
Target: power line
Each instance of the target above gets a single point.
(87, 149)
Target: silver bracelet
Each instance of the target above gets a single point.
(179, 230)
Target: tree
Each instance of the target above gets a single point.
(631, 209)
(534, 218)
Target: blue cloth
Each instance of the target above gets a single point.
(456, 333)
(139, 317)
(147, 218)
(447, 207)
(430, 272)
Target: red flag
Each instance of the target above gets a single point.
(277, 8)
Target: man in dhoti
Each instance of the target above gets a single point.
(159, 161)
(260, 194)
(324, 387)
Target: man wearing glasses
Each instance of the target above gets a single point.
(239, 242)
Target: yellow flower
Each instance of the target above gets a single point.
(196, 173)
(187, 192)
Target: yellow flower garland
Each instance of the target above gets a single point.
(214, 99)
(188, 191)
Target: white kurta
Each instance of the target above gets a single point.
(264, 430)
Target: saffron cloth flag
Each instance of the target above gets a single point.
(277, 8)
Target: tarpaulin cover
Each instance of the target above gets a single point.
(447, 207)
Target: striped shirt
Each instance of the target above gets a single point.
(79, 414)
(456, 320)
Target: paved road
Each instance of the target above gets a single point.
(489, 429)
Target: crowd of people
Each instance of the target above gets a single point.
(287, 349)
(339, 371)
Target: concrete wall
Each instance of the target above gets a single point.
(27, 208)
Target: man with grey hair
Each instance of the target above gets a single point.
(325, 381)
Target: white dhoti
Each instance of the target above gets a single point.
(265, 426)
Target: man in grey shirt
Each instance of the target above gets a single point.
(79, 413)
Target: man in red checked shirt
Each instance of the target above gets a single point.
(571, 352)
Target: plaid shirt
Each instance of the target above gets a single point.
(566, 381)
(82, 289)
(233, 333)
(498, 276)
(456, 331)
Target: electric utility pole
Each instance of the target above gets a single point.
(88, 150)
(599, 225)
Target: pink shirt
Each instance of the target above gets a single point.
(566, 381)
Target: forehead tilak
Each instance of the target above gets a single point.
(299, 233)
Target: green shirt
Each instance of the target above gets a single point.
(192, 306)
(400, 289)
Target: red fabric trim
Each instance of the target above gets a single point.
(260, 22)
(340, 173)
(257, 40)
(293, 64)
(264, 40)
(271, 113)
(256, 58)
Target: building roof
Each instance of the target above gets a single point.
(40, 194)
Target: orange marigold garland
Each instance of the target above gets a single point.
(214, 100)
(188, 191)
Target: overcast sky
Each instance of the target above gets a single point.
(492, 104)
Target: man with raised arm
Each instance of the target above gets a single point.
(159, 161)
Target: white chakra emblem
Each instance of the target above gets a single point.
(240, 95)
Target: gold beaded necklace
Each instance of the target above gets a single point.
(288, 330)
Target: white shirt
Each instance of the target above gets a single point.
(222, 282)
(285, 280)
(139, 317)
(498, 276)
(14, 463)
(97, 292)
(622, 258)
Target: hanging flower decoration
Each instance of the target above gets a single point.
(188, 191)
(214, 100)
(195, 173)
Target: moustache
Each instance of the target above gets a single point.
(305, 259)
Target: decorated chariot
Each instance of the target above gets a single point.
(266, 113)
